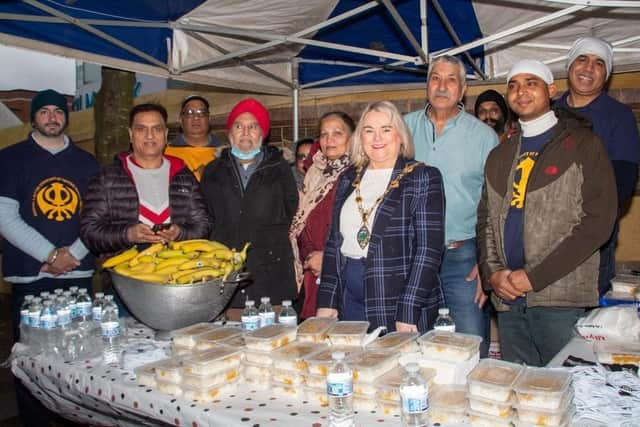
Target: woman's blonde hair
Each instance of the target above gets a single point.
(407, 149)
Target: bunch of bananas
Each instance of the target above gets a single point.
(185, 262)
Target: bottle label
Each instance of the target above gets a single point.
(48, 321)
(73, 307)
(446, 328)
(110, 329)
(414, 399)
(268, 318)
(24, 317)
(250, 323)
(84, 308)
(64, 317)
(96, 313)
(34, 320)
(288, 320)
(339, 384)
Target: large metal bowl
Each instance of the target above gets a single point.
(168, 307)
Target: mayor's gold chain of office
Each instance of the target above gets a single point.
(364, 234)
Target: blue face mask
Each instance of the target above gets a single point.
(244, 156)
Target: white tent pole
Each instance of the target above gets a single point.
(510, 31)
(423, 27)
(96, 32)
(405, 29)
(296, 101)
(346, 76)
(599, 3)
(306, 31)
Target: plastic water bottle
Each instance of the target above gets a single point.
(96, 309)
(110, 331)
(71, 298)
(250, 318)
(34, 323)
(109, 298)
(266, 313)
(83, 305)
(45, 295)
(25, 329)
(444, 322)
(67, 347)
(288, 315)
(48, 324)
(414, 398)
(340, 392)
(58, 292)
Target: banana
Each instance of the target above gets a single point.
(218, 245)
(173, 253)
(198, 263)
(241, 257)
(178, 274)
(223, 254)
(199, 275)
(167, 270)
(152, 277)
(171, 261)
(180, 244)
(122, 268)
(151, 250)
(143, 267)
(198, 246)
(146, 259)
(120, 258)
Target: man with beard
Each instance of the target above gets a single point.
(589, 64)
(493, 111)
(458, 144)
(42, 188)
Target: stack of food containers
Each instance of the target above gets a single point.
(399, 342)
(315, 329)
(448, 404)
(216, 336)
(388, 388)
(544, 398)
(184, 341)
(490, 393)
(617, 353)
(452, 355)
(289, 367)
(168, 374)
(367, 367)
(211, 373)
(260, 345)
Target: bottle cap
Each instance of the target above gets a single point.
(82, 291)
(337, 355)
(108, 297)
(249, 303)
(443, 311)
(265, 299)
(28, 297)
(99, 294)
(37, 299)
(412, 367)
(286, 303)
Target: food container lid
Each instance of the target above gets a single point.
(565, 403)
(348, 328)
(215, 354)
(451, 340)
(449, 397)
(619, 353)
(316, 325)
(393, 378)
(253, 355)
(269, 332)
(297, 351)
(218, 334)
(496, 373)
(235, 341)
(208, 381)
(148, 369)
(393, 340)
(565, 422)
(497, 421)
(197, 329)
(550, 382)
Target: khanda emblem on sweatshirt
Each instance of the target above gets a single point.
(523, 170)
(57, 199)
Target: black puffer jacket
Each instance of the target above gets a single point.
(111, 206)
(260, 214)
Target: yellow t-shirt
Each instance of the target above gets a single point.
(196, 158)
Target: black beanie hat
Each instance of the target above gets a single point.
(49, 97)
(492, 95)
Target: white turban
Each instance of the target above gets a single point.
(592, 46)
(530, 66)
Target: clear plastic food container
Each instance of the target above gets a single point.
(236, 341)
(450, 372)
(402, 342)
(319, 363)
(291, 356)
(364, 404)
(565, 422)
(494, 379)
(348, 333)
(389, 408)
(209, 394)
(258, 383)
(270, 337)
(212, 361)
(146, 374)
(388, 384)
(255, 370)
(364, 389)
(318, 382)
(263, 358)
(214, 380)
(185, 337)
(449, 346)
(285, 390)
(212, 338)
(314, 329)
(478, 419)
(286, 377)
(448, 404)
(177, 350)
(170, 388)
(625, 284)
(491, 407)
(542, 388)
(371, 364)
(546, 417)
(317, 396)
(627, 353)
(169, 370)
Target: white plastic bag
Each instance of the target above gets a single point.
(616, 323)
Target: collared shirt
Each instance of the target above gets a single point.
(246, 172)
(459, 152)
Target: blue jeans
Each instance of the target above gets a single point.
(534, 335)
(459, 294)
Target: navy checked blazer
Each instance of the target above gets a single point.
(401, 270)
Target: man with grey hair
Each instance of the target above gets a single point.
(589, 64)
(447, 137)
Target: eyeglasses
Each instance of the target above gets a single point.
(191, 113)
(251, 127)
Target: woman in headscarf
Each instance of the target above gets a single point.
(312, 220)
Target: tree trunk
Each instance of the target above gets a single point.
(111, 113)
